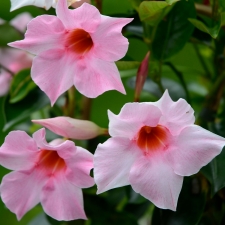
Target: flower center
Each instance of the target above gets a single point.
(79, 41)
(51, 161)
(152, 138)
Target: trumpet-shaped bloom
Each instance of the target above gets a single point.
(153, 146)
(50, 173)
(77, 47)
(72, 128)
(16, 4)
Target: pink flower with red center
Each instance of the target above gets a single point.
(153, 146)
(78, 47)
(50, 173)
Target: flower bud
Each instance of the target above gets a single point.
(141, 77)
(72, 128)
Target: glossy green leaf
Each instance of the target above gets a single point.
(21, 85)
(222, 4)
(8, 34)
(17, 112)
(153, 11)
(191, 204)
(214, 172)
(173, 33)
(135, 3)
(212, 31)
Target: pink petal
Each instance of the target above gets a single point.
(5, 79)
(109, 43)
(194, 148)
(131, 118)
(86, 17)
(43, 33)
(20, 21)
(79, 3)
(53, 72)
(80, 164)
(112, 163)
(154, 179)
(176, 115)
(67, 147)
(94, 76)
(19, 151)
(20, 191)
(61, 200)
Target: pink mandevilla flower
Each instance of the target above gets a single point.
(77, 47)
(52, 174)
(153, 146)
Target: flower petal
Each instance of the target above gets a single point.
(15, 4)
(53, 72)
(79, 163)
(19, 151)
(112, 163)
(5, 79)
(43, 33)
(20, 191)
(176, 115)
(194, 148)
(95, 76)
(61, 200)
(154, 179)
(109, 43)
(86, 16)
(131, 118)
(67, 147)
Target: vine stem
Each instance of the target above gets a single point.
(181, 78)
(7, 70)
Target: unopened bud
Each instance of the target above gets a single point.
(141, 77)
(72, 128)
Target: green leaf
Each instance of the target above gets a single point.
(191, 204)
(214, 172)
(152, 12)
(173, 33)
(127, 65)
(222, 4)
(8, 34)
(17, 112)
(21, 85)
(212, 31)
(135, 3)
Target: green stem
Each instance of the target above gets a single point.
(208, 75)
(181, 78)
(7, 70)
(86, 111)
(212, 101)
(71, 101)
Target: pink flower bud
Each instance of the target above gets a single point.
(72, 128)
(141, 76)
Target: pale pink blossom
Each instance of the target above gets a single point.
(50, 173)
(72, 128)
(16, 4)
(78, 47)
(153, 146)
(14, 60)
